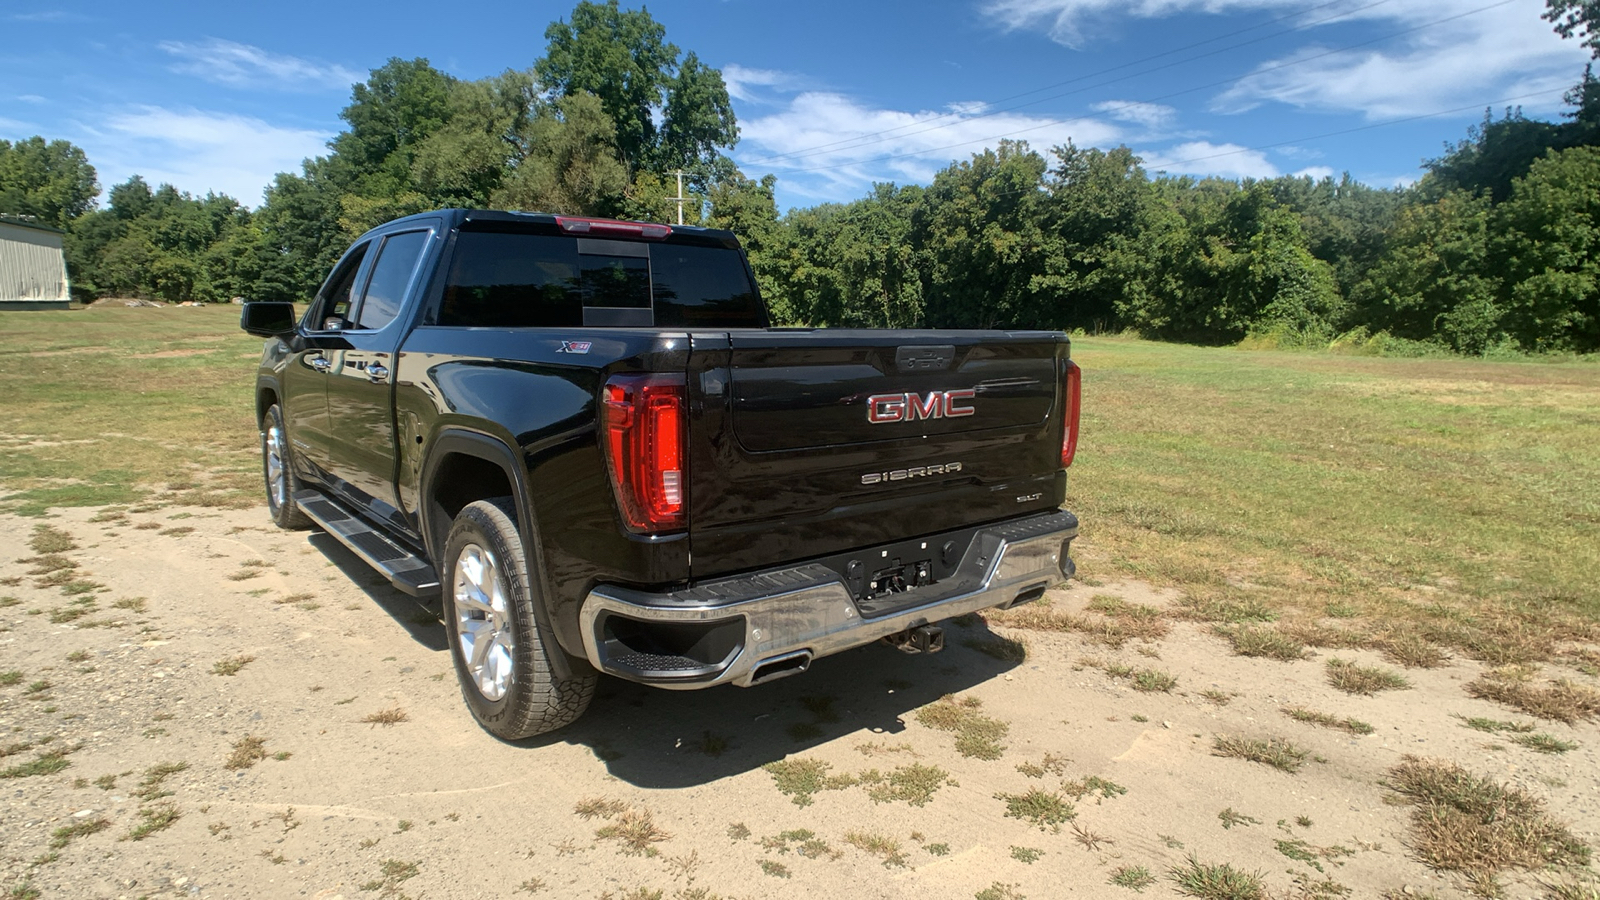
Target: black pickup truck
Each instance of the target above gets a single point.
(585, 437)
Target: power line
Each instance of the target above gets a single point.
(1167, 96)
(806, 151)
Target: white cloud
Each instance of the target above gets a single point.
(1481, 56)
(1148, 115)
(1206, 158)
(16, 128)
(1315, 173)
(30, 98)
(242, 65)
(1499, 53)
(830, 147)
(742, 80)
(198, 151)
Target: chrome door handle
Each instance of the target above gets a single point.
(377, 373)
(321, 363)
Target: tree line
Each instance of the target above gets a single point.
(1496, 248)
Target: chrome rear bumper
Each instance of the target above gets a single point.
(773, 623)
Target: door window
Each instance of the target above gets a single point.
(331, 311)
(391, 276)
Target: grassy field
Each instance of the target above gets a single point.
(1453, 503)
(1415, 505)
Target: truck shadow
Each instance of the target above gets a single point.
(406, 610)
(653, 738)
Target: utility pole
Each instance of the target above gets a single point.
(680, 198)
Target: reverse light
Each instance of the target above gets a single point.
(645, 430)
(585, 225)
(1073, 387)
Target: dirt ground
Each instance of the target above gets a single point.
(330, 805)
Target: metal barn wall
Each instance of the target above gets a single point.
(33, 272)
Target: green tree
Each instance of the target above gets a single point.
(1549, 250)
(855, 264)
(1435, 280)
(52, 180)
(569, 161)
(1576, 18)
(465, 160)
(623, 57)
(1095, 218)
(982, 242)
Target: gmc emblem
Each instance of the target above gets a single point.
(882, 408)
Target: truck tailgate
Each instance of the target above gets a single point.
(810, 443)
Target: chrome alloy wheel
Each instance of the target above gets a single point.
(483, 621)
(277, 480)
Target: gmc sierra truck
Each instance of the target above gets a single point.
(585, 438)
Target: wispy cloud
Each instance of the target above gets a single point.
(1498, 53)
(1148, 115)
(828, 146)
(199, 151)
(742, 82)
(1420, 62)
(54, 15)
(1206, 158)
(244, 65)
(30, 98)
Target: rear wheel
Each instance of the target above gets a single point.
(278, 470)
(502, 664)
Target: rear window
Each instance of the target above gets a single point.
(511, 280)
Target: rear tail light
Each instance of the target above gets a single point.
(584, 225)
(645, 426)
(1073, 387)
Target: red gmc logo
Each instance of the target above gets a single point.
(883, 408)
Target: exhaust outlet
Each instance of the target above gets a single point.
(781, 666)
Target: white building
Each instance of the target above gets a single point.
(33, 271)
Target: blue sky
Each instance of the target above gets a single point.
(831, 96)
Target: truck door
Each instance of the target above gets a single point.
(305, 378)
(361, 457)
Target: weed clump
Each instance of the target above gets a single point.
(232, 664)
(1262, 642)
(247, 751)
(635, 830)
(1134, 878)
(391, 716)
(915, 784)
(1472, 825)
(977, 735)
(1216, 882)
(1563, 701)
(1275, 752)
(801, 779)
(1045, 809)
(1365, 680)
(1312, 717)
(878, 845)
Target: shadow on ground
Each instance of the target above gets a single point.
(655, 738)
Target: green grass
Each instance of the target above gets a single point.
(67, 377)
(1461, 496)
(1275, 752)
(1216, 881)
(1458, 496)
(1045, 809)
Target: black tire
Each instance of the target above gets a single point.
(281, 486)
(514, 693)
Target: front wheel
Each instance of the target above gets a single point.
(503, 666)
(278, 471)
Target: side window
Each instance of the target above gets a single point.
(391, 275)
(331, 311)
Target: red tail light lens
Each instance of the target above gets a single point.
(1074, 391)
(645, 428)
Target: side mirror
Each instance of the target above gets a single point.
(268, 319)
